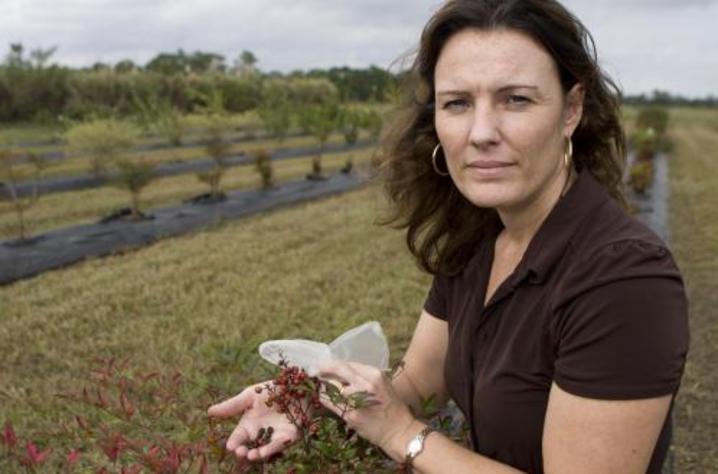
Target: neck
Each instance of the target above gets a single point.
(522, 223)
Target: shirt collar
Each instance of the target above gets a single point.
(555, 233)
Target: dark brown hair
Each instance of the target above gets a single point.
(442, 226)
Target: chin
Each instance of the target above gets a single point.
(493, 196)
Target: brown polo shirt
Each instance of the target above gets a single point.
(596, 305)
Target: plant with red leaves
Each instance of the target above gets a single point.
(124, 419)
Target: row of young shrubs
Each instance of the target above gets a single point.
(109, 143)
(648, 139)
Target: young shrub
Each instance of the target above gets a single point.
(263, 164)
(275, 111)
(103, 140)
(321, 121)
(134, 176)
(350, 122)
(348, 166)
(653, 117)
(217, 146)
(373, 123)
(645, 143)
(641, 176)
(19, 204)
(216, 128)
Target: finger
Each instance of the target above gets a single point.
(241, 451)
(376, 379)
(239, 437)
(330, 405)
(278, 444)
(339, 371)
(366, 371)
(235, 405)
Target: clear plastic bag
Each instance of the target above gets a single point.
(365, 344)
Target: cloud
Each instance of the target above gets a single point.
(646, 43)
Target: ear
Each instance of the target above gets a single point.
(573, 109)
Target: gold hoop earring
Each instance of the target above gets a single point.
(568, 153)
(433, 162)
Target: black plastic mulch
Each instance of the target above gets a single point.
(652, 207)
(69, 245)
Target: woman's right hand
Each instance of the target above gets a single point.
(255, 415)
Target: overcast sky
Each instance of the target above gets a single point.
(645, 44)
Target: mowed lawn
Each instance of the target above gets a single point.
(694, 228)
(202, 303)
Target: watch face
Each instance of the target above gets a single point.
(414, 447)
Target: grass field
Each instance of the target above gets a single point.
(694, 229)
(203, 302)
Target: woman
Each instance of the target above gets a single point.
(556, 322)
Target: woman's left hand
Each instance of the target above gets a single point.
(383, 417)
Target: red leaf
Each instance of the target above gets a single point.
(102, 400)
(34, 455)
(114, 447)
(9, 437)
(82, 423)
(126, 405)
(150, 376)
(171, 462)
(203, 465)
(73, 456)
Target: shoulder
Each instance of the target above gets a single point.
(620, 321)
(611, 247)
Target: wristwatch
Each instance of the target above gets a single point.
(416, 446)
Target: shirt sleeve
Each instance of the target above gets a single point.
(622, 330)
(436, 303)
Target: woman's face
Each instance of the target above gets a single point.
(501, 117)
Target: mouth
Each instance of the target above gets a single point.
(489, 165)
(490, 168)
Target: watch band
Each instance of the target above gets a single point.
(416, 446)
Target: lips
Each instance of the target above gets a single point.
(489, 164)
(490, 169)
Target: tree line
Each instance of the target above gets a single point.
(32, 89)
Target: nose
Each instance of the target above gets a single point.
(484, 131)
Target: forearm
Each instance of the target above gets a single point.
(441, 455)
(407, 385)
(407, 391)
(411, 393)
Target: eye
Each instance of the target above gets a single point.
(456, 105)
(516, 99)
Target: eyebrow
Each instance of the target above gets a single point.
(500, 90)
